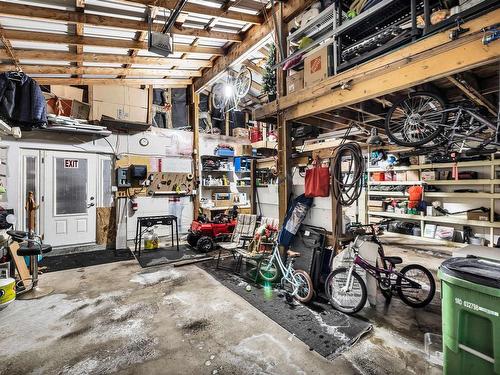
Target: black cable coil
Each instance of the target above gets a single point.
(347, 184)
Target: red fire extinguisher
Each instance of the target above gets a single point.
(133, 203)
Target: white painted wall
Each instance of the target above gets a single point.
(173, 146)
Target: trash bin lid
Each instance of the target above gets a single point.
(473, 269)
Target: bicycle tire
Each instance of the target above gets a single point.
(218, 96)
(432, 285)
(310, 290)
(243, 82)
(404, 138)
(333, 302)
(265, 275)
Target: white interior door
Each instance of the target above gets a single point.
(70, 198)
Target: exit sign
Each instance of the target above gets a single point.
(70, 163)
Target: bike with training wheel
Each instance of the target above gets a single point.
(296, 283)
(346, 289)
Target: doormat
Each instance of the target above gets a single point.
(166, 255)
(83, 259)
(318, 325)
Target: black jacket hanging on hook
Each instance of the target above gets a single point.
(21, 101)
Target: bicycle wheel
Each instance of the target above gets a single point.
(218, 96)
(416, 119)
(303, 292)
(243, 82)
(348, 299)
(268, 270)
(412, 296)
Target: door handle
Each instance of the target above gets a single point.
(90, 205)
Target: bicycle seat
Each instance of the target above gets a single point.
(18, 235)
(393, 260)
(345, 240)
(34, 250)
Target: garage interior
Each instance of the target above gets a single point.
(250, 187)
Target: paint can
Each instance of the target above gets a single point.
(7, 292)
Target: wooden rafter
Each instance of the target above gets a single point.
(93, 70)
(472, 93)
(173, 82)
(204, 10)
(79, 30)
(101, 42)
(141, 35)
(75, 17)
(104, 58)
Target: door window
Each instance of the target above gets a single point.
(71, 186)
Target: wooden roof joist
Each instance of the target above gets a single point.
(172, 82)
(55, 15)
(102, 42)
(23, 54)
(204, 10)
(93, 70)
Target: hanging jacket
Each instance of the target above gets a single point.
(21, 101)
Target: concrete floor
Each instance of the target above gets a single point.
(119, 318)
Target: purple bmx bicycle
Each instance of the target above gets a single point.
(347, 292)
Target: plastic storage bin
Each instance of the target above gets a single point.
(470, 292)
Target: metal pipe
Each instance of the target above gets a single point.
(173, 16)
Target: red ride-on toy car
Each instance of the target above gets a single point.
(203, 233)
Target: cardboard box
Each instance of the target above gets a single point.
(412, 176)
(318, 65)
(478, 215)
(295, 82)
(80, 110)
(119, 102)
(243, 150)
(374, 203)
(428, 175)
(241, 133)
(400, 176)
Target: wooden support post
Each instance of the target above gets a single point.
(195, 123)
(284, 128)
(284, 166)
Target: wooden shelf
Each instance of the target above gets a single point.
(478, 195)
(265, 144)
(438, 219)
(388, 193)
(395, 182)
(463, 182)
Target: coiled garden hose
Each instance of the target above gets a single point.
(347, 184)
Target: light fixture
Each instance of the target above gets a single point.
(228, 91)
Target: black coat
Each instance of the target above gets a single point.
(21, 101)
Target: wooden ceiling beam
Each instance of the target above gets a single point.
(101, 42)
(76, 17)
(204, 10)
(254, 67)
(25, 54)
(58, 69)
(113, 81)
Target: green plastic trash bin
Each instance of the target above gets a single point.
(470, 293)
